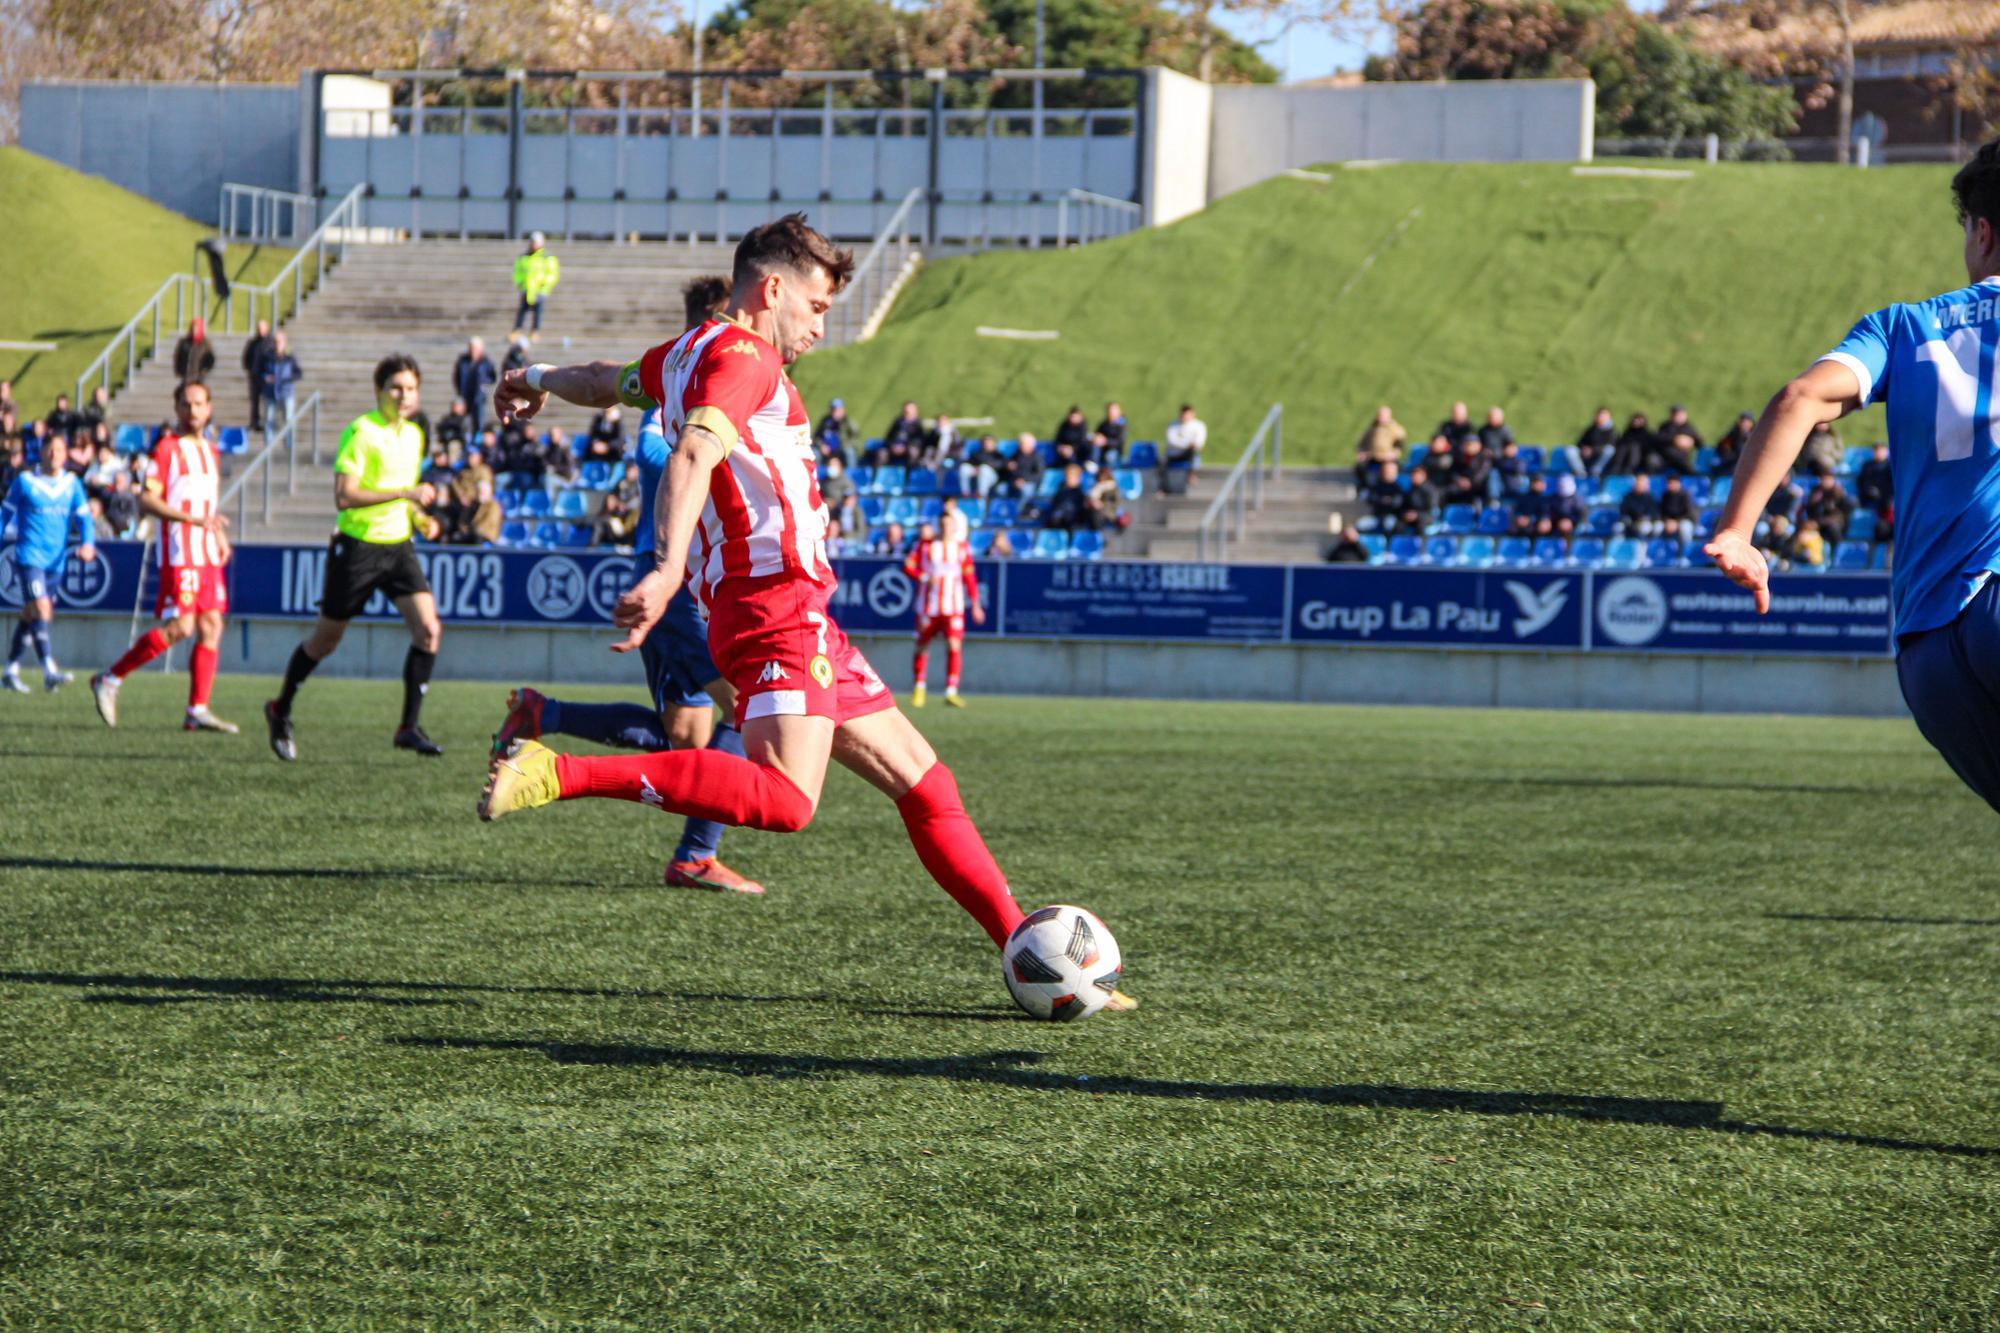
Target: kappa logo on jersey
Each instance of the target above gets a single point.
(648, 795)
(741, 349)
(774, 672)
(822, 671)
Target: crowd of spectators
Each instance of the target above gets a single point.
(1639, 482)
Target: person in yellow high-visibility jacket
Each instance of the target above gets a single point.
(535, 273)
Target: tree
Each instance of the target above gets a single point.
(1809, 43)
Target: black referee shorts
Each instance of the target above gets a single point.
(357, 570)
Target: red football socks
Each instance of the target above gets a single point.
(922, 665)
(201, 675)
(143, 650)
(706, 784)
(952, 850)
(954, 658)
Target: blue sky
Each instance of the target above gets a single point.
(1308, 52)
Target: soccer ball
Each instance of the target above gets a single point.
(1061, 963)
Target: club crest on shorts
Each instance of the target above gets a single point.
(822, 671)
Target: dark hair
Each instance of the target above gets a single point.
(1976, 188)
(180, 390)
(790, 243)
(393, 364)
(702, 297)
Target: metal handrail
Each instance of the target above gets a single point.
(1257, 463)
(285, 437)
(265, 205)
(1097, 216)
(862, 303)
(183, 286)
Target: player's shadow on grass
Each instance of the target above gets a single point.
(408, 874)
(1008, 1069)
(119, 988)
(1674, 784)
(1849, 919)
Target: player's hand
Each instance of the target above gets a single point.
(425, 494)
(979, 615)
(86, 553)
(513, 400)
(641, 608)
(1736, 556)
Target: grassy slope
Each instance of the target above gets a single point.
(1452, 1020)
(1521, 285)
(80, 254)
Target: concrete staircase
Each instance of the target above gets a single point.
(1291, 528)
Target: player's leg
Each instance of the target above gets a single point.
(316, 647)
(532, 715)
(23, 636)
(202, 662)
(53, 676)
(954, 663)
(696, 862)
(176, 624)
(419, 610)
(1951, 681)
(926, 630)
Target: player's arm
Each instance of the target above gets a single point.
(522, 393)
(82, 524)
(151, 503)
(349, 493)
(1827, 391)
(971, 574)
(677, 507)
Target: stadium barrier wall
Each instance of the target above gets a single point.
(1678, 640)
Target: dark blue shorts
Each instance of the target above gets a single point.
(1951, 681)
(38, 582)
(678, 667)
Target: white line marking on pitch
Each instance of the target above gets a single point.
(1656, 173)
(1019, 335)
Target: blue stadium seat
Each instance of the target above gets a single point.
(1475, 552)
(1460, 519)
(1051, 544)
(1375, 544)
(598, 475)
(572, 505)
(1145, 454)
(511, 502)
(874, 443)
(1601, 522)
(576, 534)
(1415, 458)
(902, 509)
(862, 477)
(130, 438)
(876, 535)
(1610, 490)
(1854, 457)
(980, 543)
(1551, 551)
(1009, 447)
(1696, 487)
(1625, 553)
(1022, 540)
(888, 480)
(232, 440)
(1440, 551)
(1586, 552)
(515, 533)
(1515, 551)
(1002, 513)
(536, 504)
(920, 481)
(1663, 553)
(1404, 549)
(931, 510)
(872, 507)
(1493, 521)
(1087, 546)
(1861, 527)
(1534, 457)
(949, 482)
(1047, 449)
(1130, 485)
(1851, 555)
(1718, 493)
(1706, 459)
(1051, 483)
(974, 511)
(1801, 567)
(1711, 518)
(1558, 462)
(1884, 554)
(549, 534)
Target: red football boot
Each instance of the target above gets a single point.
(708, 874)
(523, 721)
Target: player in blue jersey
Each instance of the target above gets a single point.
(685, 683)
(44, 506)
(1934, 364)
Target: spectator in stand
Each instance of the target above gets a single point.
(607, 435)
(1591, 454)
(1831, 508)
(254, 349)
(1531, 510)
(7, 403)
(1774, 539)
(1808, 544)
(438, 474)
(940, 443)
(1567, 511)
(1677, 423)
(1455, 429)
(558, 461)
(1104, 491)
(1112, 451)
(1440, 463)
(904, 438)
(1186, 438)
(1679, 518)
(62, 420)
(517, 353)
(1634, 451)
(1730, 446)
(535, 274)
(1639, 511)
(619, 518)
(831, 437)
(836, 485)
(1072, 431)
(121, 506)
(848, 513)
(979, 471)
(472, 377)
(279, 373)
(836, 539)
(520, 451)
(1003, 546)
(1784, 503)
(1510, 473)
(81, 455)
(13, 458)
(1347, 549)
(1474, 468)
(97, 412)
(465, 486)
(890, 541)
(1420, 502)
(481, 523)
(1496, 434)
(454, 428)
(1073, 508)
(1821, 456)
(1024, 474)
(1674, 449)
(105, 465)
(1875, 486)
(1384, 495)
(1381, 443)
(193, 356)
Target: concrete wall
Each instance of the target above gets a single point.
(174, 143)
(1260, 130)
(1179, 111)
(1858, 687)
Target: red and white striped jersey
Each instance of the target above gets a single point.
(764, 515)
(947, 583)
(187, 477)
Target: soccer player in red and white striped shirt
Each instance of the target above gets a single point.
(947, 591)
(740, 515)
(184, 492)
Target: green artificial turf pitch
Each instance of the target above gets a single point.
(1451, 1019)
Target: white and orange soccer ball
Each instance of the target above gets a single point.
(1061, 963)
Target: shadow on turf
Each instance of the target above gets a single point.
(1882, 920)
(408, 873)
(1005, 1068)
(321, 990)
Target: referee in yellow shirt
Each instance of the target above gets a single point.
(375, 491)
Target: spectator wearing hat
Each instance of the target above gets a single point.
(831, 436)
(535, 274)
(1566, 510)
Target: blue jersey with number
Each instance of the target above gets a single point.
(1933, 363)
(44, 509)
